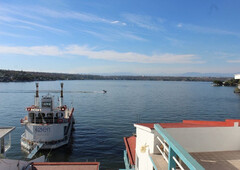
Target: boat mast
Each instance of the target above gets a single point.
(61, 98)
(36, 96)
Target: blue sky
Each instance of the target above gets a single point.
(120, 36)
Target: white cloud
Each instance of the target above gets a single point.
(115, 22)
(119, 23)
(130, 35)
(208, 30)
(234, 61)
(98, 35)
(16, 35)
(179, 25)
(82, 16)
(144, 21)
(11, 19)
(32, 51)
(10, 34)
(14, 10)
(37, 13)
(113, 35)
(91, 53)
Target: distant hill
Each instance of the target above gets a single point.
(196, 74)
(117, 74)
(188, 74)
(22, 76)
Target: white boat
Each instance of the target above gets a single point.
(46, 126)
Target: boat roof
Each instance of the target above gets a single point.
(193, 123)
(130, 143)
(66, 165)
(5, 130)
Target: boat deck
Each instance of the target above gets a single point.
(159, 161)
(66, 166)
(223, 160)
(5, 130)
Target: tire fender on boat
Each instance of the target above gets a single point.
(63, 108)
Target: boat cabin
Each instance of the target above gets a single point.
(47, 114)
(47, 103)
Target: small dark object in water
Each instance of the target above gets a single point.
(104, 91)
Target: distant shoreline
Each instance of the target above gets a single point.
(27, 76)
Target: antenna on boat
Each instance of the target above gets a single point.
(61, 97)
(37, 96)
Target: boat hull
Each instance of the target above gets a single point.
(51, 136)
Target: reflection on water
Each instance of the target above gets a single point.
(102, 120)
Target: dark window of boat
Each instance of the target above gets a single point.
(50, 115)
(46, 104)
(65, 132)
(49, 118)
(41, 115)
(31, 117)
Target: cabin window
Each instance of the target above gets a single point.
(31, 117)
(41, 114)
(65, 130)
(49, 118)
(50, 115)
(46, 104)
(59, 114)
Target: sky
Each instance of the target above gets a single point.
(144, 37)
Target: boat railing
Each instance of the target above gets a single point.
(8, 143)
(5, 140)
(126, 161)
(163, 149)
(174, 151)
(23, 135)
(47, 120)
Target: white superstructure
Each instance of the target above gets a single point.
(237, 76)
(190, 144)
(45, 125)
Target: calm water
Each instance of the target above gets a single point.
(102, 120)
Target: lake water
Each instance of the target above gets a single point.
(102, 120)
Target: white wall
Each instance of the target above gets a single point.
(205, 139)
(44, 133)
(237, 76)
(144, 137)
(198, 139)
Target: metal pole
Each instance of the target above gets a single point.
(171, 162)
(37, 96)
(61, 97)
(2, 146)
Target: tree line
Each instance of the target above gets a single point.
(26, 76)
(230, 82)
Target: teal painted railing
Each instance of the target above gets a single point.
(176, 149)
(126, 161)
